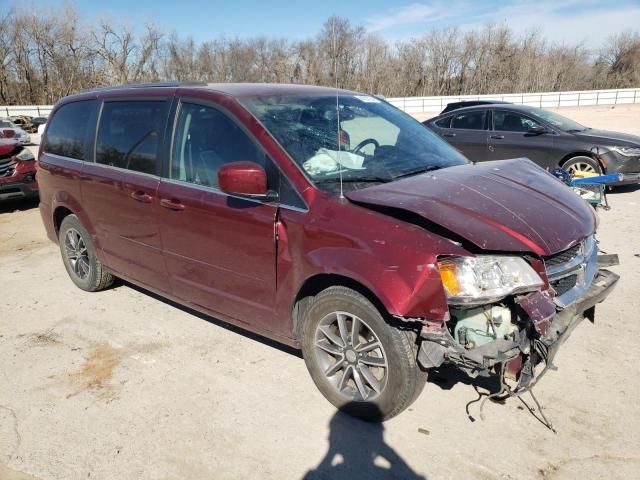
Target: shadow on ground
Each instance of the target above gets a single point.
(219, 323)
(10, 206)
(357, 450)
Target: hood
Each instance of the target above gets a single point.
(613, 139)
(507, 205)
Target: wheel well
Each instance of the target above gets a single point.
(568, 157)
(58, 216)
(314, 285)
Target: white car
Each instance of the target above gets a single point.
(19, 134)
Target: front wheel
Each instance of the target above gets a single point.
(359, 362)
(581, 165)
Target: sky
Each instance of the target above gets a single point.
(563, 21)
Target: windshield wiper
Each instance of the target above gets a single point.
(419, 171)
(355, 180)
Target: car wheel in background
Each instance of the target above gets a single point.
(359, 362)
(79, 256)
(582, 164)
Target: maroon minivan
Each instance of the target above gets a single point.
(324, 219)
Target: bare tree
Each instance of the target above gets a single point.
(46, 56)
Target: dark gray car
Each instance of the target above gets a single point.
(501, 131)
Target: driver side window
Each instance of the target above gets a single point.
(512, 122)
(205, 140)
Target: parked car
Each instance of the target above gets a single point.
(324, 219)
(470, 103)
(17, 171)
(501, 131)
(19, 134)
(23, 122)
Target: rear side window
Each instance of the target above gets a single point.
(444, 122)
(470, 120)
(129, 135)
(68, 131)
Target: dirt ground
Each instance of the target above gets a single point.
(122, 385)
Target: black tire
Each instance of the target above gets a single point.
(95, 278)
(580, 162)
(403, 380)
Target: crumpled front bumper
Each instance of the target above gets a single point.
(553, 324)
(566, 320)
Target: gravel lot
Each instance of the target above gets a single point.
(123, 385)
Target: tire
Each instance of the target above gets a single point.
(582, 163)
(382, 391)
(79, 257)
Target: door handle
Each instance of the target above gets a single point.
(448, 134)
(171, 204)
(140, 196)
(497, 137)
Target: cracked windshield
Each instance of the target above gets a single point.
(359, 137)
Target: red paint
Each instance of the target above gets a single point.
(245, 178)
(244, 260)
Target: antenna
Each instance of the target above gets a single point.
(335, 75)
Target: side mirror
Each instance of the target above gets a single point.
(537, 129)
(246, 179)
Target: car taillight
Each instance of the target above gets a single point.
(6, 133)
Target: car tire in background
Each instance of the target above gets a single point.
(359, 362)
(79, 256)
(583, 164)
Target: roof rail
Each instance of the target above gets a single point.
(189, 83)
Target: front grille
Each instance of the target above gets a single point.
(562, 257)
(564, 284)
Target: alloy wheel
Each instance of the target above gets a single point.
(581, 167)
(76, 253)
(351, 356)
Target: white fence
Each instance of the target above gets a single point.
(545, 100)
(436, 104)
(31, 110)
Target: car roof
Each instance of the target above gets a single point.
(469, 103)
(233, 89)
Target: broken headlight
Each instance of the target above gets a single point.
(486, 278)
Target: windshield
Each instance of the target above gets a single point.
(7, 124)
(377, 142)
(558, 121)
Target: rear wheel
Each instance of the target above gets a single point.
(358, 361)
(79, 256)
(582, 164)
